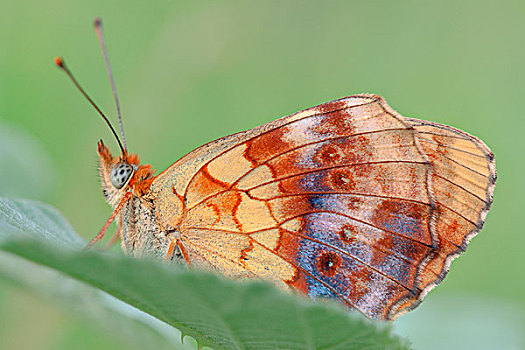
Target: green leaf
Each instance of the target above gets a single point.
(26, 219)
(219, 313)
(128, 326)
(23, 218)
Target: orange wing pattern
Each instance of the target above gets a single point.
(347, 200)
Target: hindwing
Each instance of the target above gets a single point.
(346, 200)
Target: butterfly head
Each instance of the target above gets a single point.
(122, 174)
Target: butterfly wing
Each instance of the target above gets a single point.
(345, 200)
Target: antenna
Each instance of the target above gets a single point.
(100, 36)
(61, 64)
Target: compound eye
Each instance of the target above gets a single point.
(120, 174)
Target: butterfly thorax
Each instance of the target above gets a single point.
(139, 231)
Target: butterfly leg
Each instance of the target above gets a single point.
(113, 239)
(176, 242)
(102, 232)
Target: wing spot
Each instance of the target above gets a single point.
(342, 180)
(348, 233)
(327, 155)
(328, 263)
(354, 203)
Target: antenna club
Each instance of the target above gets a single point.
(98, 22)
(59, 61)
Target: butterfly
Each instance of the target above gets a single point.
(348, 200)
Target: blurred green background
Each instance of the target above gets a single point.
(189, 72)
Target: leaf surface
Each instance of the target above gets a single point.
(219, 313)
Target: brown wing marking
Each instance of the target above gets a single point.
(319, 124)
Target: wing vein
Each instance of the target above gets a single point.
(463, 188)
(450, 147)
(218, 254)
(335, 167)
(321, 193)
